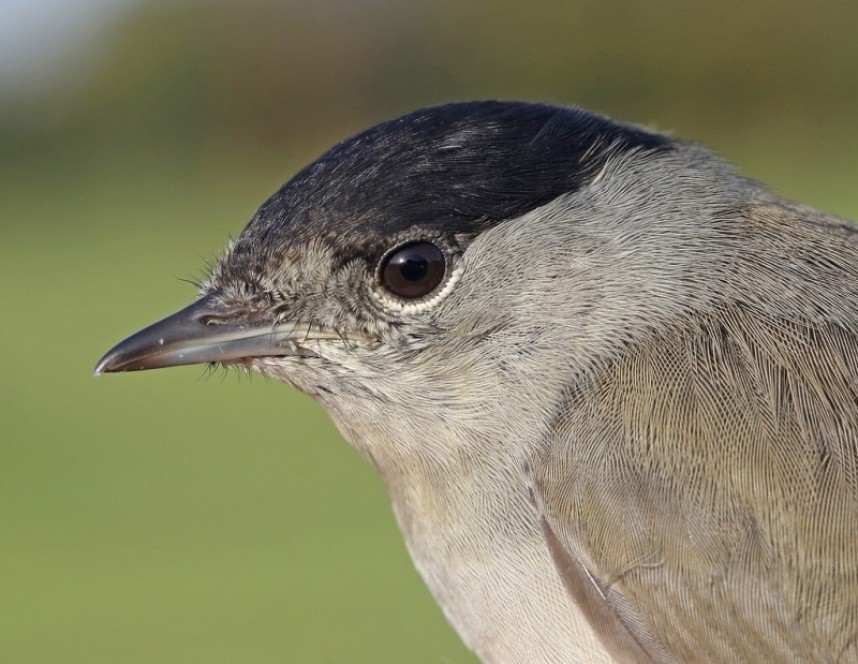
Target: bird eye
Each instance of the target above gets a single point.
(413, 270)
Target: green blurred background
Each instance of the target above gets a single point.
(190, 516)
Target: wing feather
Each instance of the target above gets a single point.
(707, 480)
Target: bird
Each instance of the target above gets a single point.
(610, 385)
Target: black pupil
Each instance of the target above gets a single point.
(413, 270)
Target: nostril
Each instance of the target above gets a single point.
(213, 319)
(218, 313)
(223, 318)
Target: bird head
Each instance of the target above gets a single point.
(380, 271)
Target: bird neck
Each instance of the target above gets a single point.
(470, 526)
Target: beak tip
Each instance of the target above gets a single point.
(105, 365)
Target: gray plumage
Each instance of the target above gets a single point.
(623, 426)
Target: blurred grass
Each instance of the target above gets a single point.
(182, 516)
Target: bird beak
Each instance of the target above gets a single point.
(205, 332)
